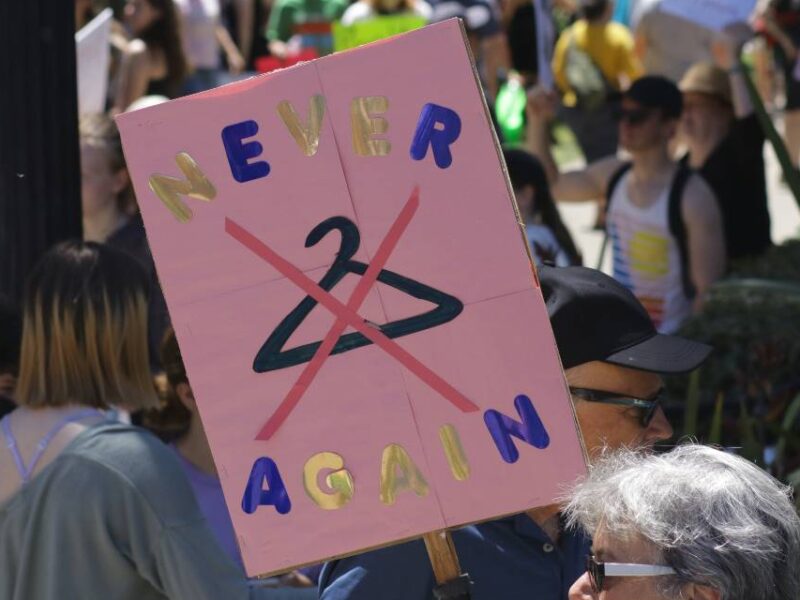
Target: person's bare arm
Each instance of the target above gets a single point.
(727, 50)
(134, 75)
(496, 57)
(232, 54)
(245, 16)
(705, 236)
(580, 185)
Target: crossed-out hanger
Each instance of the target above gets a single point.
(271, 356)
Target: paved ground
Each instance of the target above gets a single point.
(784, 213)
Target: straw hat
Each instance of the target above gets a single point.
(707, 78)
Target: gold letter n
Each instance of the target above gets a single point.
(196, 185)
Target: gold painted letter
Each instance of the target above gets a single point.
(365, 125)
(454, 451)
(196, 185)
(307, 137)
(338, 480)
(395, 458)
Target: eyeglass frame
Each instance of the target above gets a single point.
(649, 406)
(599, 571)
(634, 116)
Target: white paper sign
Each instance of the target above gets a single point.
(92, 48)
(711, 14)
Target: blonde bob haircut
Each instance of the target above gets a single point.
(84, 338)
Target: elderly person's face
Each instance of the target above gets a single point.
(611, 550)
(612, 426)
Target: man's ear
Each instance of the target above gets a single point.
(186, 396)
(695, 591)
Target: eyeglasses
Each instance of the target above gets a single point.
(634, 116)
(598, 571)
(648, 407)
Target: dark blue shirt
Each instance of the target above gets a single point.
(508, 559)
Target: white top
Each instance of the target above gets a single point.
(647, 257)
(545, 246)
(361, 11)
(200, 19)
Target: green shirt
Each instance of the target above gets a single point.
(309, 19)
(114, 517)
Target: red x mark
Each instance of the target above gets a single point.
(345, 315)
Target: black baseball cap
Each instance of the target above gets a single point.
(654, 91)
(594, 317)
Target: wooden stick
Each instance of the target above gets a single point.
(443, 557)
(790, 172)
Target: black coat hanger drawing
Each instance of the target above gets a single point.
(271, 356)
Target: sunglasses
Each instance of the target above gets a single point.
(634, 116)
(598, 571)
(647, 407)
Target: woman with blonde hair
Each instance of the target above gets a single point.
(91, 508)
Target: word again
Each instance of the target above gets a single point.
(438, 127)
(331, 486)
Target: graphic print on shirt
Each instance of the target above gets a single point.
(641, 261)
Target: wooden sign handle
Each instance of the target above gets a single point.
(442, 554)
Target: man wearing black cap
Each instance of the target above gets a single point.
(613, 358)
(663, 221)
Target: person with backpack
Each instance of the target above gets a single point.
(593, 60)
(663, 221)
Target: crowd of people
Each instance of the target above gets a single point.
(108, 487)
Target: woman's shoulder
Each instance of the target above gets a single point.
(135, 463)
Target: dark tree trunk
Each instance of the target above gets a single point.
(39, 152)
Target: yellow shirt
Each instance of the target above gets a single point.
(610, 45)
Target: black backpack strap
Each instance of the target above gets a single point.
(613, 182)
(677, 228)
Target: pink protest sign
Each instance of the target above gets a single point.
(359, 318)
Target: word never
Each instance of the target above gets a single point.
(438, 127)
(398, 473)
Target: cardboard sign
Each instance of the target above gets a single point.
(711, 14)
(351, 290)
(93, 56)
(346, 37)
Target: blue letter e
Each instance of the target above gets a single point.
(239, 153)
(255, 495)
(531, 430)
(427, 134)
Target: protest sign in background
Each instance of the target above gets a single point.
(711, 14)
(409, 426)
(93, 55)
(346, 37)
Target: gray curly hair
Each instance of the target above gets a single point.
(716, 518)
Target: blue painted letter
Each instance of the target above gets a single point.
(427, 134)
(239, 153)
(255, 495)
(531, 430)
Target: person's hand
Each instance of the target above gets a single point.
(278, 49)
(726, 47)
(296, 579)
(542, 104)
(236, 62)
